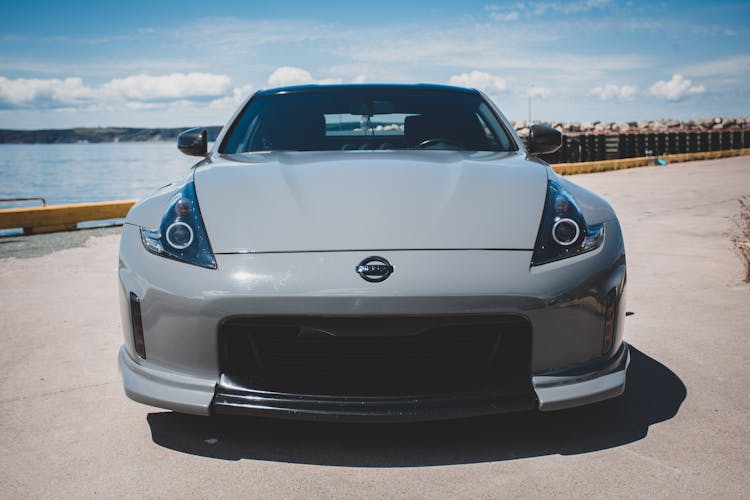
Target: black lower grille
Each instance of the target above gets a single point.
(375, 355)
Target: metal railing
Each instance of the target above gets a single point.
(583, 147)
(13, 200)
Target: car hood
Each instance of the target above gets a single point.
(382, 200)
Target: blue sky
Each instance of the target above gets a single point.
(67, 64)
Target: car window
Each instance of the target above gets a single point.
(343, 124)
(366, 118)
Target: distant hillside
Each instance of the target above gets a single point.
(107, 134)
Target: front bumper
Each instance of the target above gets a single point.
(183, 306)
(584, 385)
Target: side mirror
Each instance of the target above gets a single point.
(543, 139)
(193, 142)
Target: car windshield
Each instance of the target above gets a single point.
(366, 118)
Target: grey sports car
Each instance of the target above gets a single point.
(371, 253)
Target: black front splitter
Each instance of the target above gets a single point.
(239, 399)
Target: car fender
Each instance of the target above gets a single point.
(149, 211)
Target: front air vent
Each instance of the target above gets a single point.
(376, 355)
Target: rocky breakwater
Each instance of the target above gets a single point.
(644, 126)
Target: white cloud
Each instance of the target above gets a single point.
(612, 91)
(132, 92)
(480, 80)
(175, 86)
(676, 88)
(37, 92)
(498, 12)
(463, 48)
(540, 8)
(224, 37)
(505, 16)
(290, 75)
(539, 92)
(725, 66)
(142, 106)
(230, 102)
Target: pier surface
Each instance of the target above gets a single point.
(681, 429)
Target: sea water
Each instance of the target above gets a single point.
(77, 173)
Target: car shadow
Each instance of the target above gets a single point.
(653, 394)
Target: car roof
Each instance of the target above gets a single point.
(314, 88)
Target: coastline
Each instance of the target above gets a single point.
(96, 135)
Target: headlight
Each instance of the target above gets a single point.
(563, 232)
(181, 234)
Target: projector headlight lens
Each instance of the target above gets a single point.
(565, 232)
(179, 235)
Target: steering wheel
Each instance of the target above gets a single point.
(439, 140)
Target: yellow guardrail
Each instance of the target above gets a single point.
(52, 218)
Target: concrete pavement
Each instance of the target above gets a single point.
(681, 429)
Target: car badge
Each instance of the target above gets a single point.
(375, 269)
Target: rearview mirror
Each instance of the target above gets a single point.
(543, 139)
(193, 142)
